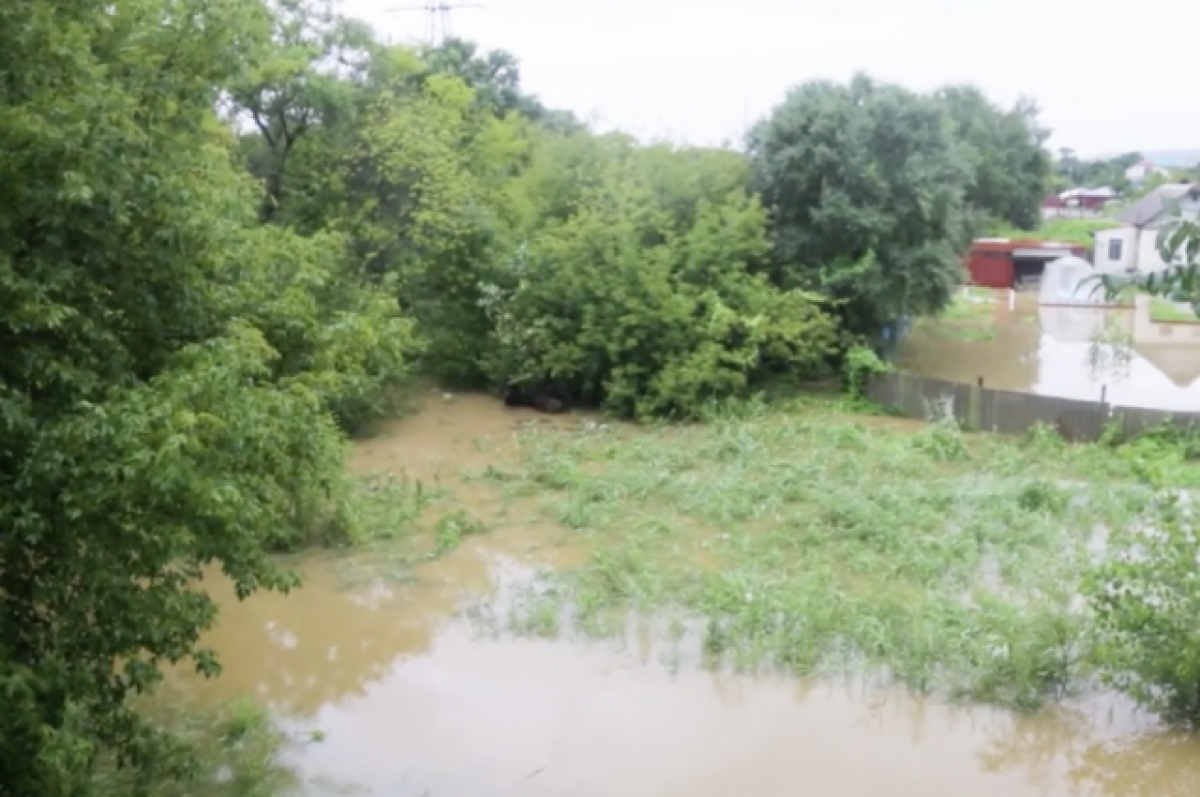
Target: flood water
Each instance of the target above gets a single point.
(1066, 352)
(412, 700)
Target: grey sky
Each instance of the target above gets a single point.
(1107, 78)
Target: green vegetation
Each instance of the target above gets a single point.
(845, 231)
(1071, 171)
(969, 317)
(1165, 311)
(233, 752)
(1010, 168)
(1072, 231)
(195, 314)
(821, 543)
(1146, 597)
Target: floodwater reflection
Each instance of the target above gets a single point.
(407, 705)
(1068, 352)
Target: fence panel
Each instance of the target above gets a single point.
(1012, 412)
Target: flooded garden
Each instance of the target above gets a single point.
(1081, 353)
(779, 601)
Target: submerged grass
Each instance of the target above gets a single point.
(234, 751)
(813, 542)
(965, 318)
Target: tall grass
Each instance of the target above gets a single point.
(812, 542)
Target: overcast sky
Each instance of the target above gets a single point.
(1107, 78)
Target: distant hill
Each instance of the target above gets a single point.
(1173, 157)
(1170, 158)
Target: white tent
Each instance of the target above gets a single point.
(1071, 281)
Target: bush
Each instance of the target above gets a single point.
(649, 310)
(1146, 600)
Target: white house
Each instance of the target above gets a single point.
(1142, 171)
(1133, 247)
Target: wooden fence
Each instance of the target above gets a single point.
(979, 408)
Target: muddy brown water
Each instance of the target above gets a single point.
(411, 700)
(1066, 352)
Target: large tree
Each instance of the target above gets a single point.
(164, 384)
(1011, 168)
(865, 185)
(301, 78)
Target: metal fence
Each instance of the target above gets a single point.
(980, 408)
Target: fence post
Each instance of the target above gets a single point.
(975, 406)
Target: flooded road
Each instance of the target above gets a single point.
(1067, 352)
(413, 698)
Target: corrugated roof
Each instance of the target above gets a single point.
(1151, 206)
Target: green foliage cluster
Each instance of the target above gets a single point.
(1145, 598)
(532, 257)
(875, 190)
(645, 296)
(172, 374)
(1071, 171)
(1068, 230)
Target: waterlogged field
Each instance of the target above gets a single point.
(816, 543)
(757, 604)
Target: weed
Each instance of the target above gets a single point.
(387, 509)
(804, 540)
(450, 530)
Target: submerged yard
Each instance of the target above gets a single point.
(815, 542)
(783, 549)
(812, 541)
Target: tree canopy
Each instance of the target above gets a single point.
(169, 371)
(866, 186)
(1011, 170)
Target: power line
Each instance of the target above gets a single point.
(439, 16)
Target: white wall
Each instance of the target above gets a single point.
(1146, 330)
(1147, 251)
(1128, 254)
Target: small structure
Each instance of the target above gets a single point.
(1008, 263)
(1078, 202)
(1071, 282)
(1142, 171)
(1133, 247)
(1088, 198)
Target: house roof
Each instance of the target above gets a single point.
(1152, 205)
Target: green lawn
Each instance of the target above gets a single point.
(1074, 231)
(1163, 311)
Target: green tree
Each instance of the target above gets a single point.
(495, 77)
(643, 298)
(424, 205)
(865, 184)
(1011, 170)
(293, 85)
(148, 426)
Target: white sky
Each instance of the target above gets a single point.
(1108, 78)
